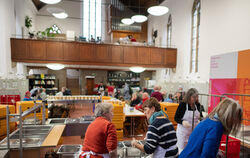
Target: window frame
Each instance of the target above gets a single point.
(169, 31)
(88, 22)
(196, 7)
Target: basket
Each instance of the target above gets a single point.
(233, 147)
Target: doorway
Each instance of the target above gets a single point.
(90, 85)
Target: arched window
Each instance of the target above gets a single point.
(55, 29)
(195, 36)
(169, 31)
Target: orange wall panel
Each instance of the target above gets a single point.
(244, 64)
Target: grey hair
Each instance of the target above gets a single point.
(102, 108)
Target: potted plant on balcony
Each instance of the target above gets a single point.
(28, 25)
(47, 33)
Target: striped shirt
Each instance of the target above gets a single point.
(161, 133)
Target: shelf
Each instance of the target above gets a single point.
(40, 79)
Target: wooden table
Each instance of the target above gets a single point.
(133, 114)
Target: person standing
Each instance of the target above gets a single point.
(101, 89)
(205, 139)
(187, 116)
(127, 92)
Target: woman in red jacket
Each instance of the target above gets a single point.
(100, 139)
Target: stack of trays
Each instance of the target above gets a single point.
(170, 109)
(118, 120)
(3, 122)
(29, 104)
(105, 98)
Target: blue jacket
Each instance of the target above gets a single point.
(204, 141)
(27, 99)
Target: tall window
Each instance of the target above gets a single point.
(169, 31)
(195, 36)
(92, 18)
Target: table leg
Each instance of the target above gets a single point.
(131, 126)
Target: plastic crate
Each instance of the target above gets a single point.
(9, 99)
(233, 146)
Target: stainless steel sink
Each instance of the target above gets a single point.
(24, 140)
(125, 150)
(16, 136)
(57, 121)
(72, 120)
(70, 151)
(88, 118)
(32, 136)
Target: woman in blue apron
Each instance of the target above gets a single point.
(187, 116)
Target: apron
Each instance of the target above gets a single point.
(183, 133)
(159, 151)
(101, 91)
(87, 154)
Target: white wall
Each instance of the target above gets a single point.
(73, 22)
(24, 8)
(12, 15)
(224, 28)
(7, 27)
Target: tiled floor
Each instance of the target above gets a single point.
(80, 110)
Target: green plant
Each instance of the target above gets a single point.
(28, 22)
(47, 33)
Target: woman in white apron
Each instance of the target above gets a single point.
(187, 116)
(161, 136)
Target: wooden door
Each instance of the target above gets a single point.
(90, 85)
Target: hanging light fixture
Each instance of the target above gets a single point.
(61, 15)
(57, 12)
(50, 1)
(55, 66)
(137, 69)
(157, 10)
(127, 21)
(139, 18)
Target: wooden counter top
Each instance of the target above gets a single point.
(53, 138)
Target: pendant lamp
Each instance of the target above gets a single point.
(139, 18)
(157, 10)
(137, 69)
(127, 21)
(55, 66)
(50, 1)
